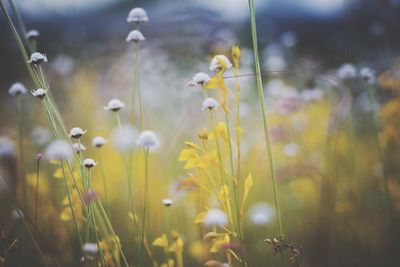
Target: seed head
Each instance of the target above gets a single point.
(76, 132)
(114, 105)
(37, 58)
(39, 93)
(99, 141)
(89, 163)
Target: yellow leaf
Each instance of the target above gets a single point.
(218, 244)
(161, 241)
(200, 217)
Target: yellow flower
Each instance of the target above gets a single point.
(236, 56)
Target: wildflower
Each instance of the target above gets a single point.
(76, 132)
(291, 149)
(289, 39)
(346, 71)
(148, 139)
(77, 147)
(114, 105)
(39, 156)
(368, 75)
(89, 163)
(167, 202)
(311, 95)
(89, 196)
(220, 62)
(90, 248)
(59, 150)
(215, 217)
(32, 34)
(124, 137)
(199, 78)
(17, 89)
(99, 141)
(236, 56)
(40, 135)
(135, 36)
(137, 15)
(261, 213)
(275, 63)
(37, 58)
(210, 103)
(7, 147)
(39, 93)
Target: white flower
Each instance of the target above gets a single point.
(275, 63)
(99, 141)
(17, 89)
(346, 71)
(210, 103)
(148, 139)
(137, 15)
(59, 150)
(261, 213)
(76, 132)
(215, 217)
(32, 34)
(90, 248)
(114, 105)
(311, 95)
(216, 63)
(41, 135)
(289, 39)
(368, 75)
(89, 163)
(200, 78)
(167, 202)
(39, 93)
(291, 149)
(124, 137)
(37, 58)
(77, 147)
(135, 36)
(7, 147)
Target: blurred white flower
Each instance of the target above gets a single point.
(137, 15)
(39, 93)
(311, 95)
(40, 135)
(17, 89)
(148, 139)
(90, 248)
(291, 149)
(289, 39)
(77, 147)
(76, 132)
(7, 147)
(215, 217)
(59, 150)
(346, 71)
(37, 58)
(167, 202)
(216, 63)
(200, 78)
(275, 63)
(89, 163)
(368, 75)
(261, 213)
(99, 141)
(135, 36)
(114, 105)
(124, 137)
(210, 103)
(32, 34)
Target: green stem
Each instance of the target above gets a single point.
(146, 200)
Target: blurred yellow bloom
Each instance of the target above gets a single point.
(161, 241)
(236, 56)
(219, 243)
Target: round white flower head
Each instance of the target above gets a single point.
(59, 150)
(275, 63)
(167, 202)
(39, 93)
(124, 137)
(201, 78)
(148, 139)
(261, 213)
(32, 34)
(37, 58)
(137, 15)
(218, 60)
(215, 217)
(210, 103)
(77, 147)
(291, 149)
(17, 89)
(41, 135)
(7, 147)
(99, 141)
(90, 248)
(114, 105)
(76, 132)
(89, 163)
(346, 71)
(135, 36)
(368, 75)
